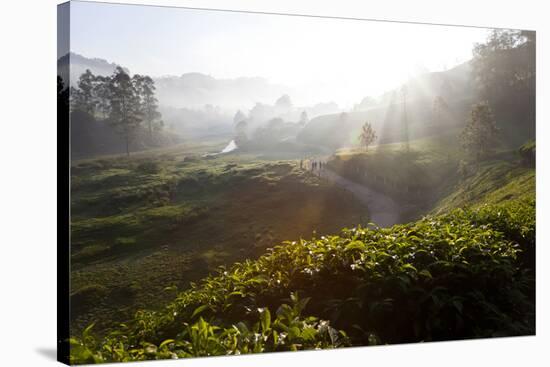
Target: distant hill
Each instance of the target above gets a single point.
(453, 83)
(194, 90)
(189, 90)
(80, 63)
(454, 87)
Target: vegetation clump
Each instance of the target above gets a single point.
(149, 166)
(480, 134)
(453, 276)
(527, 153)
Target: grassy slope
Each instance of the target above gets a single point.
(463, 274)
(495, 181)
(143, 224)
(427, 178)
(416, 179)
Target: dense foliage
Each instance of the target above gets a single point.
(465, 274)
(480, 133)
(504, 72)
(110, 113)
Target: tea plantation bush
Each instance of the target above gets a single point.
(465, 274)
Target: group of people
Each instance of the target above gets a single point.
(312, 164)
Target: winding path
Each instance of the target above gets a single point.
(384, 211)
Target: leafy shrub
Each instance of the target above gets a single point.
(516, 220)
(452, 276)
(287, 330)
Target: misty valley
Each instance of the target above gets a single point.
(217, 216)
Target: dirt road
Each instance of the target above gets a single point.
(383, 210)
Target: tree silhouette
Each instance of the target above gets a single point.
(368, 135)
(439, 106)
(126, 114)
(83, 97)
(304, 119)
(500, 64)
(146, 89)
(240, 132)
(239, 116)
(480, 134)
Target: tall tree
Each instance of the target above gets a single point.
(368, 135)
(241, 136)
(83, 96)
(145, 87)
(101, 94)
(479, 137)
(126, 114)
(304, 119)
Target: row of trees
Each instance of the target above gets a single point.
(271, 129)
(478, 137)
(504, 72)
(125, 102)
(505, 65)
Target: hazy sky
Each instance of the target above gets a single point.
(323, 59)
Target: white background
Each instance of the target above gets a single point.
(28, 183)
